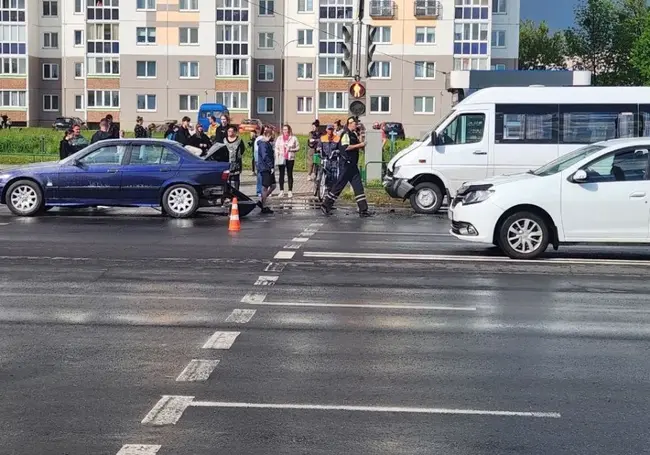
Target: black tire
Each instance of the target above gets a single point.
(508, 245)
(186, 198)
(421, 195)
(30, 204)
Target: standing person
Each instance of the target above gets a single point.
(349, 148)
(103, 133)
(286, 147)
(222, 130)
(312, 143)
(140, 131)
(65, 148)
(256, 147)
(113, 130)
(339, 130)
(212, 129)
(5, 121)
(183, 134)
(251, 144)
(77, 141)
(236, 150)
(200, 140)
(266, 168)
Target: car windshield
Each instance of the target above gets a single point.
(561, 163)
(427, 135)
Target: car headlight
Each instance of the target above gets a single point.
(474, 197)
(395, 170)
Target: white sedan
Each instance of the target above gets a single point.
(599, 193)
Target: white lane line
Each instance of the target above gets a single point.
(460, 258)
(240, 316)
(168, 410)
(4, 224)
(389, 233)
(284, 255)
(197, 370)
(266, 280)
(300, 239)
(221, 340)
(275, 267)
(315, 225)
(139, 449)
(389, 306)
(393, 409)
(254, 297)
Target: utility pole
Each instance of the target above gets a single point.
(359, 24)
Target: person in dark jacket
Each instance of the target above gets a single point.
(139, 130)
(103, 133)
(183, 134)
(314, 136)
(112, 128)
(266, 167)
(222, 130)
(65, 148)
(200, 140)
(236, 148)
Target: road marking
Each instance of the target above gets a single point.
(266, 280)
(197, 370)
(4, 224)
(292, 246)
(316, 225)
(275, 267)
(362, 305)
(139, 449)
(388, 233)
(284, 255)
(299, 239)
(254, 297)
(240, 316)
(221, 340)
(308, 232)
(393, 409)
(466, 258)
(168, 410)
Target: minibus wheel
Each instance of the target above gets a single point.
(426, 198)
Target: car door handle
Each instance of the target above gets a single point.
(637, 194)
(479, 152)
(164, 170)
(112, 171)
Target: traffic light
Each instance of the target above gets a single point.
(347, 50)
(370, 48)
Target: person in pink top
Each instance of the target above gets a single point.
(286, 146)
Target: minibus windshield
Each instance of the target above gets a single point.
(429, 133)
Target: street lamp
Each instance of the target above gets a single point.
(284, 48)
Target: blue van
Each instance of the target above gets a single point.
(209, 109)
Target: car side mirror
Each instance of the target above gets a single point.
(435, 140)
(580, 176)
(76, 163)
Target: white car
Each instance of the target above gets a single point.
(599, 193)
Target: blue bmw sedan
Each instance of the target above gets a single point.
(122, 173)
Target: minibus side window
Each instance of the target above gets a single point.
(464, 129)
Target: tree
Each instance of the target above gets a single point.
(632, 23)
(538, 49)
(640, 55)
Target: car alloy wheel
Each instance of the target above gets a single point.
(525, 236)
(24, 198)
(181, 201)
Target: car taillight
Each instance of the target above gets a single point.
(225, 175)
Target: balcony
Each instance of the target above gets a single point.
(383, 9)
(427, 9)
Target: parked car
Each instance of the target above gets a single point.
(595, 194)
(65, 123)
(396, 127)
(250, 125)
(123, 173)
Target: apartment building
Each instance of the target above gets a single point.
(269, 59)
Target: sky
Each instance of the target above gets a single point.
(558, 14)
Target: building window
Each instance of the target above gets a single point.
(333, 101)
(234, 100)
(146, 69)
(13, 39)
(104, 98)
(189, 70)
(188, 36)
(498, 67)
(266, 7)
(265, 73)
(330, 66)
(472, 9)
(232, 39)
(103, 39)
(13, 98)
(425, 70)
(103, 66)
(78, 38)
(383, 35)
(498, 38)
(380, 70)
(13, 10)
(50, 103)
(78, 7)
(471, 39)
(499, 6)
(330, 38)
(265, 40)
(305, 37)
(50, 8)
(305, 104)
(232, 67)
(188, 103)
(51, 40)
(336, 9)
(146, 5)
(380, 104)
(305, 6)
(146, 102)
(466, 63)
(50, 71)
(146, 35)
(103, 10)
(425, 35)
(78, 70)
(424, 104)
(188, 5)
(13, 65)
(78, 102)
(265, 105)
(305, 71)
(232, 11)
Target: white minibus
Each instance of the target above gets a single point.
(505, 130)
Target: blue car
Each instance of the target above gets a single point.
(123, 173)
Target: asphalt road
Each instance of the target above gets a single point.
(306, 335)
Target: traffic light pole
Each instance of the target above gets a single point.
(361, 11)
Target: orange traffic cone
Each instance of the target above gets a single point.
(234, 225)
